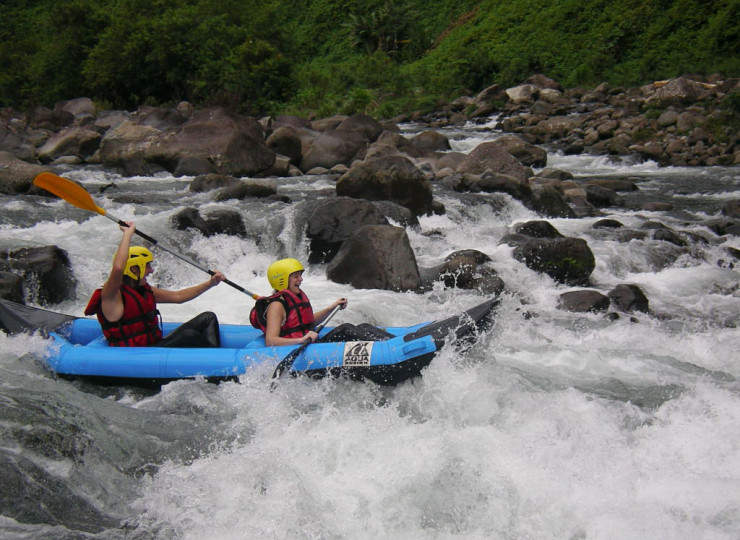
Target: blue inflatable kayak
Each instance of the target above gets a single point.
(80, 350)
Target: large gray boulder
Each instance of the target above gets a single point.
(331, 221)
(45, 271)
(333, 147)
(234, 145)
(16, 176)
(526, 153)
(566, 260)
(489, 156)
(77, 141)
(376, 257)
(392, 178)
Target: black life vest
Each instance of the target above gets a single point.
(299, 319)
(140, 324)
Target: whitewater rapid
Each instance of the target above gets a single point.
(556, 425)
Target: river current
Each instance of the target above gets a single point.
(556, 425)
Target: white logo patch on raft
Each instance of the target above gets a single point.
(357, 353)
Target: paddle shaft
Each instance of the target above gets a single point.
(180, 255)
(288, 361)
(79, 197)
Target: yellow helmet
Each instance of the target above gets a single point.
(137, 256)
(279, 271)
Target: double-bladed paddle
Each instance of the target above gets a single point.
(288, 361)
(77, 195)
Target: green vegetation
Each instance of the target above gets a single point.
(326, 56)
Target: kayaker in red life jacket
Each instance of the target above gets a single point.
(126, 305)
(286, 317)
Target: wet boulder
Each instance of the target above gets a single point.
(331, 221)
(333, 147)
(538, 229)
(45, 270)
(234, 144)
(16, 176)
(188, 218)
(376, 257)
(550, 201)
(224, 221)
(467, 269)
(362, 124)
(489, 156)
(629, 297)
(585, 301)
(566, 260)
(431, 140)
(526, 153)
(244, 189)
(11, 287)
(77, 141)
(286, 142)
(392, 178)
(208, 182)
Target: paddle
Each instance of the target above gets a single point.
(287, 362)
(78, 196)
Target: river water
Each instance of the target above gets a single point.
(556, 425)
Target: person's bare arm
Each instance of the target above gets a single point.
(110, 297)
(164, 296)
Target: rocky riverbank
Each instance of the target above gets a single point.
(382, 175)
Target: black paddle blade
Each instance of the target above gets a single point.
(459, 327)
(18, 318)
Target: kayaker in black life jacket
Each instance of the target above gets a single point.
(126, 305)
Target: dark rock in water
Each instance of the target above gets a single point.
(207, 182)
(722, 227)
(400, 214)
(478, 256)
(731, 209)
(602, 197)
(29, 494)
(538, 229)
(244, 189)
(331, 221)
(527, 154)
(614, 184)
(376, 257)
(11, 287)
(657, 207)
(391, 178)
(188, 218)
(45, 270)
(566, 260)
(285, 141)
(333, 147)
(193, 166)
(16, 176)
(489, 156)
(225, 222)
(667, 235)
(607, 224)
(550, 201)
(584, 301)
(629, 297)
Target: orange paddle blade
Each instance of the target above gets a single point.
(69, 191)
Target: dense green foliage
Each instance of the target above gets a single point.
(377, 56)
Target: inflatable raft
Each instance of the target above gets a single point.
(79, 349)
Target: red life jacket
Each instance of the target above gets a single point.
(299, 317)
(140, 324)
